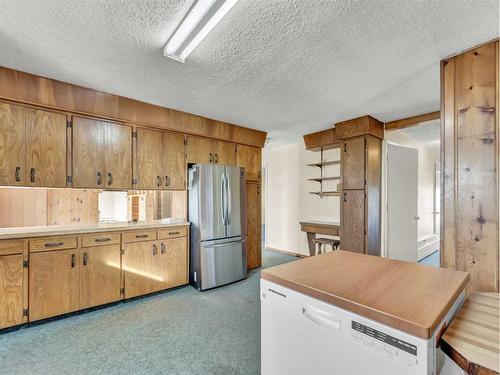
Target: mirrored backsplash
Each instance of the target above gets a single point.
(22, 207)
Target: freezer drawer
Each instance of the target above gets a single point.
(222, 262)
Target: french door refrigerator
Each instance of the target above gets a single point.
(217, 215)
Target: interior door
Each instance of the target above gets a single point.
(45, 148)
(353, 221)
(173, 162)
(253, 225)
(12, 144)
(100, 275)
(149, 159)
(118, 156)
(212, 202)
(402, 202)
(353, 164)
(88, 153)
(235, 200)
(11, 290)
(53, 286)
(140, 268)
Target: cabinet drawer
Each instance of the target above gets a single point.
(10, 247)
(139, 235)
(53, 243)
(173, 232)
(100, 239)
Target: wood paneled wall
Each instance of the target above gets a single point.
(470, 151)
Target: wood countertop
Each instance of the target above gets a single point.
(407, 296)
(472, 339)
(58, 230)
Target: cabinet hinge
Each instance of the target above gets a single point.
(26, 263)
(122, 251)
(122, 291)
(26, 312)
(185, 142)
(69, 179)
(69, 124)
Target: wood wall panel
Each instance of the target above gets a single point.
(28, 88)
(470, 194)
(23, 207)
(72, 206)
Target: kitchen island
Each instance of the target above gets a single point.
(355, 313)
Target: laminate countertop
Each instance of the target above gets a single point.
(58, 230)
(407, 296)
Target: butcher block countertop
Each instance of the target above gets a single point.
(58, 230)
(407, 296)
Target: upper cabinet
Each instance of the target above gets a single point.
(205, 151)
(249, 158)
(173, 162)
(353, 164)
(32, 147)
(102, 154)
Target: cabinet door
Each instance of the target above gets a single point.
(353, 164)
(88, 153)
(100, 275)
(173, 162)
(11, 290)
(118, 156)
(139, 268)
(53, 287)
(12, 144)
(149, 158)
(199, 150)
(225, 153)
(249, 158)
(173, 262)
(254, 228)
(352, 236)
(45, 149)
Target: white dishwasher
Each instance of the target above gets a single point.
(304, 336)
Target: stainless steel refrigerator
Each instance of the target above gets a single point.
(218, 253)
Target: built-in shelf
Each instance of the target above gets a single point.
(326, 193)
(323, 163)
(321, 179)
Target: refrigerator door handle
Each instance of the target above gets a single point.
(223, 198)
(228, 202)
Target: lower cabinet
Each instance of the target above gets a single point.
(53, 285)
(253, 224)
(353, 221)
(174, 261)
(11, 290)
(140, 270)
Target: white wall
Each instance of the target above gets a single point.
(287, 195)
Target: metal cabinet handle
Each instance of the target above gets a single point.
(99, 178)
(158, 181)
(54, 244)
(173, 233)
(32, 175)
(85, 258)
(141, 236)
(163, 248)
(155, 249)
(106, 239)
(167, 180)
(211, 158)
(73, 260)
(345, 197)
(216, 157)
(345, 147)
(18, 174)
(110, 178)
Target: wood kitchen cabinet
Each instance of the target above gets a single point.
(11, 290)
(353, 221)
(149, 159)
(53, 283)
(204, 150)
(353, 164)
(173, 262)
(249, 158)
(173, 161)
(32, 147)
(140, 268)
(253, 225)
(102, 154)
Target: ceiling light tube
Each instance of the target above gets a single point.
(198, 22)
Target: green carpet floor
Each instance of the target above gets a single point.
(179, 332)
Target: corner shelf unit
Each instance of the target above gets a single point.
(322, 178)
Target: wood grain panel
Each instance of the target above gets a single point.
(72, 206)
(45, 148)
(173, 161)
(353, 164)
(373, 195)
(172, 232)
(225, 152)
(139, 236)
(101, 239)
(53, 287)
(11, 247)
(250, 159)
(11, 290)
(118, 156)
(477, 210)
(88, 152)
(23, 207)
(199, 150)
(100, 275)
(253, 224)
(325, 139)
(365, 125)
(412, 121)
(52, 243)
(12, 145)
(140, 270)
(353, 221)
(28, 88)
(149, 159)
(173, 262)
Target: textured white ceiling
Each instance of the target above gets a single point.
(289, 67)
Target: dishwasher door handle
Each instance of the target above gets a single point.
(321, 318)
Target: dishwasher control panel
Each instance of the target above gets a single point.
(367, 333)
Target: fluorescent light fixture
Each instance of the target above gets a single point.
(201, 18)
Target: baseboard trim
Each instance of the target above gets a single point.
(286, 252)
